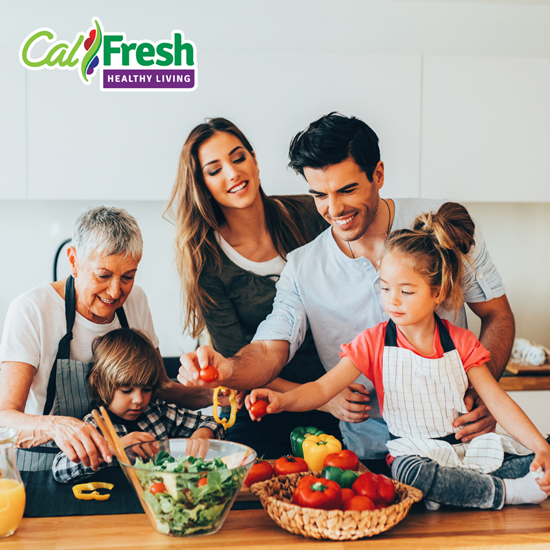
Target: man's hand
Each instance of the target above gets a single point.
(349, 405)
(191, 364)
(479, 420)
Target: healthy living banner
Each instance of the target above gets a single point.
(123, 65)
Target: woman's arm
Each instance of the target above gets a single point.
(311, 395)
(79, 441)
(510, 416)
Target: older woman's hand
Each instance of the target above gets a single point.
(81, 442)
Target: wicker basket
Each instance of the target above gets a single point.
(276, 497)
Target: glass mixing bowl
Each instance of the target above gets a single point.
(187, 497)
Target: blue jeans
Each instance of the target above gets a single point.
(460, 486)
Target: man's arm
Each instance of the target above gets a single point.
(254, 366)
(497, 331)
(497, 336)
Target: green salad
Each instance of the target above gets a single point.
(193, 501)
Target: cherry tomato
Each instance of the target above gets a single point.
(345, 460)
(289, 465)
(366, 485)
(260, 471)
(209, 374)
(359, 503)
(258, 408)
(158, 488)
(202, 482)
(347, 494)
(386, 490)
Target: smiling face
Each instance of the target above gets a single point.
(129, 402)
(230, 171)
(406, 295)
(345, 197)
(102, 284)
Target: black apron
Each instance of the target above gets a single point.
(67, 393)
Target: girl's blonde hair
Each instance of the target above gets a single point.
(124, 357)
(436, 247)
(197, 215)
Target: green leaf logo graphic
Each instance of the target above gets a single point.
(92, 44)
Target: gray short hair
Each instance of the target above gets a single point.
(106, 230)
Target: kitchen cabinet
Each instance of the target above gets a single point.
(93, 145)
(13, 176)
(486, 129)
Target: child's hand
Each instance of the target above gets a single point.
(275, 400)
(198, 444)
(541, 464)
(144, 451)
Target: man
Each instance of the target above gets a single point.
(332, 284)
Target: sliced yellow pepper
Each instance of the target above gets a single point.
(232, 400)
(317, 447)
(94, 495)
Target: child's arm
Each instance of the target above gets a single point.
(510, 416)
(185, 423)
(311, 395)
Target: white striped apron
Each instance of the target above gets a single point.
(422, 398)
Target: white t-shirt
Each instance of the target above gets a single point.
(35, 323)
(272, 267)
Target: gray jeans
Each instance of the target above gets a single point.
(460, 486)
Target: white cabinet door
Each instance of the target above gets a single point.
(13, 171)
(93, 145)
(486, 129)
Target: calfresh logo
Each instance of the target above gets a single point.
(124, 65)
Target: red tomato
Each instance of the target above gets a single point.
(347, 494)
(258, 408)
(345, 460)
(209, 374)
(359, 503)
(366, 485)
(386, 490)
(158, 488)
(260, 471)
(202, 482)
(289, 465)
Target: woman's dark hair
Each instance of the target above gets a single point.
(436, 247)
(331, 140)
(197, 215)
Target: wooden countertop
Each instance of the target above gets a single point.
(524, 383)
(512, 527)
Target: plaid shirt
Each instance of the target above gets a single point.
(159, 419)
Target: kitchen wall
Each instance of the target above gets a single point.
(516, 232)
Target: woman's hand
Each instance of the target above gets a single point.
(81, 442)
(191, 364)
(275, 401)
(349, 404)
(477, 421)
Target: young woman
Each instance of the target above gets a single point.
(231, 246)
(421, 367)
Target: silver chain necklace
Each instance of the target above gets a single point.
(387, 232)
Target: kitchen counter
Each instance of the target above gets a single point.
(512, 527)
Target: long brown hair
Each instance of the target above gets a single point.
(196, 216)
(437, 246)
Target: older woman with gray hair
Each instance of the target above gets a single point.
(46, 349)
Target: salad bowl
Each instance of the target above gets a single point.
(187, 486)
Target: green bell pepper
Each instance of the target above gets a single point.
(298, 436)
(344, 478)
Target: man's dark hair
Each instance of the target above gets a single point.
(331, 140)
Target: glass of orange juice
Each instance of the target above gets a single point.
(12, 491)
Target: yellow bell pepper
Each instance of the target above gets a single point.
(94, 495)
(233, 402)
(317, 447)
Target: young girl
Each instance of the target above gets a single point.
(421, 367)
(127, 370)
